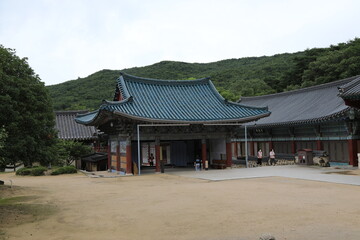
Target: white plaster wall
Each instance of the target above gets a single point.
(217, 148)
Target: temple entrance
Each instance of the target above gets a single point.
(180, 153)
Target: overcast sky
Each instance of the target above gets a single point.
(67, 39)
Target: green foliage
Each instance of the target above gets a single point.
(26, 112)
(233, 78)
(3, 136)
(64, 170)
(339, 62)
(34, 171)
(69, 151)
(90, 91)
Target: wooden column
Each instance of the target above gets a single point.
(117, 156)
(157, 155)
(319, 145)
(293, 147)
(228, 153)
(251, 152)
(352, 148)
(203, 152)
(236, 149)
(128, 157)
(271, 145)
(109, 155)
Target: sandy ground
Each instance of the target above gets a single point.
(162, 206)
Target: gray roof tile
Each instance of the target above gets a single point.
(307, 105)
(68, 129)
(350, 90)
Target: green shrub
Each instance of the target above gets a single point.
(23, 171)
(38, 171)
(64, 170)
(35, 171)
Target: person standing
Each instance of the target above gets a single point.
(197, 163)
(151, 159)
(259, 157)
(272, 157)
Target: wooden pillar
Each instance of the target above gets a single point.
(203, 152)
(109, 156)
(117, 156)
(271, 145)
(251, 152)
(319, 145)
(157, 155)
(352, 148)
(293, 147)
(236, 149)
(228, 153)
(128, 157)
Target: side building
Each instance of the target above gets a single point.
(175, 121)
(69, 130)
(311, 118)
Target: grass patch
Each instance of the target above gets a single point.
(13, 200)
(18, 210)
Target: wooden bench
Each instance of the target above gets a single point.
(218, 164)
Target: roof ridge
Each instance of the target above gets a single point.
(161, 81)
(71, 111)
(306, 89)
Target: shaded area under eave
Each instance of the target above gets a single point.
(173, 101)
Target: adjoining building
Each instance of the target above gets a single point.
(176, 121)
(311, 118)
(350, 92)
(69, 130)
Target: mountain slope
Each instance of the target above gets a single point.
(232, 77)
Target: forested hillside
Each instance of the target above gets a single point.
(233, 77)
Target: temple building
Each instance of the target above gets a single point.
(176, 121)
(323, 117)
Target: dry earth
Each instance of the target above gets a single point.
(162, 206)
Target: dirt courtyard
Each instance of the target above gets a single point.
(162, 206)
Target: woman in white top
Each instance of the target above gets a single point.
(259, 157)
(272, 157)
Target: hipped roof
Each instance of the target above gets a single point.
(173, 101)
(304, 106)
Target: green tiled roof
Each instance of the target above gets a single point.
(173, 101)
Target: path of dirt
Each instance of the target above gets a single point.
(162, 206)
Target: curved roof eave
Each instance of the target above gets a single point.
(87, 118)
(331, 117)
(241, 120)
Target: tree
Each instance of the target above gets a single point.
(26, 112)
(70, 151)
(3, 136)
